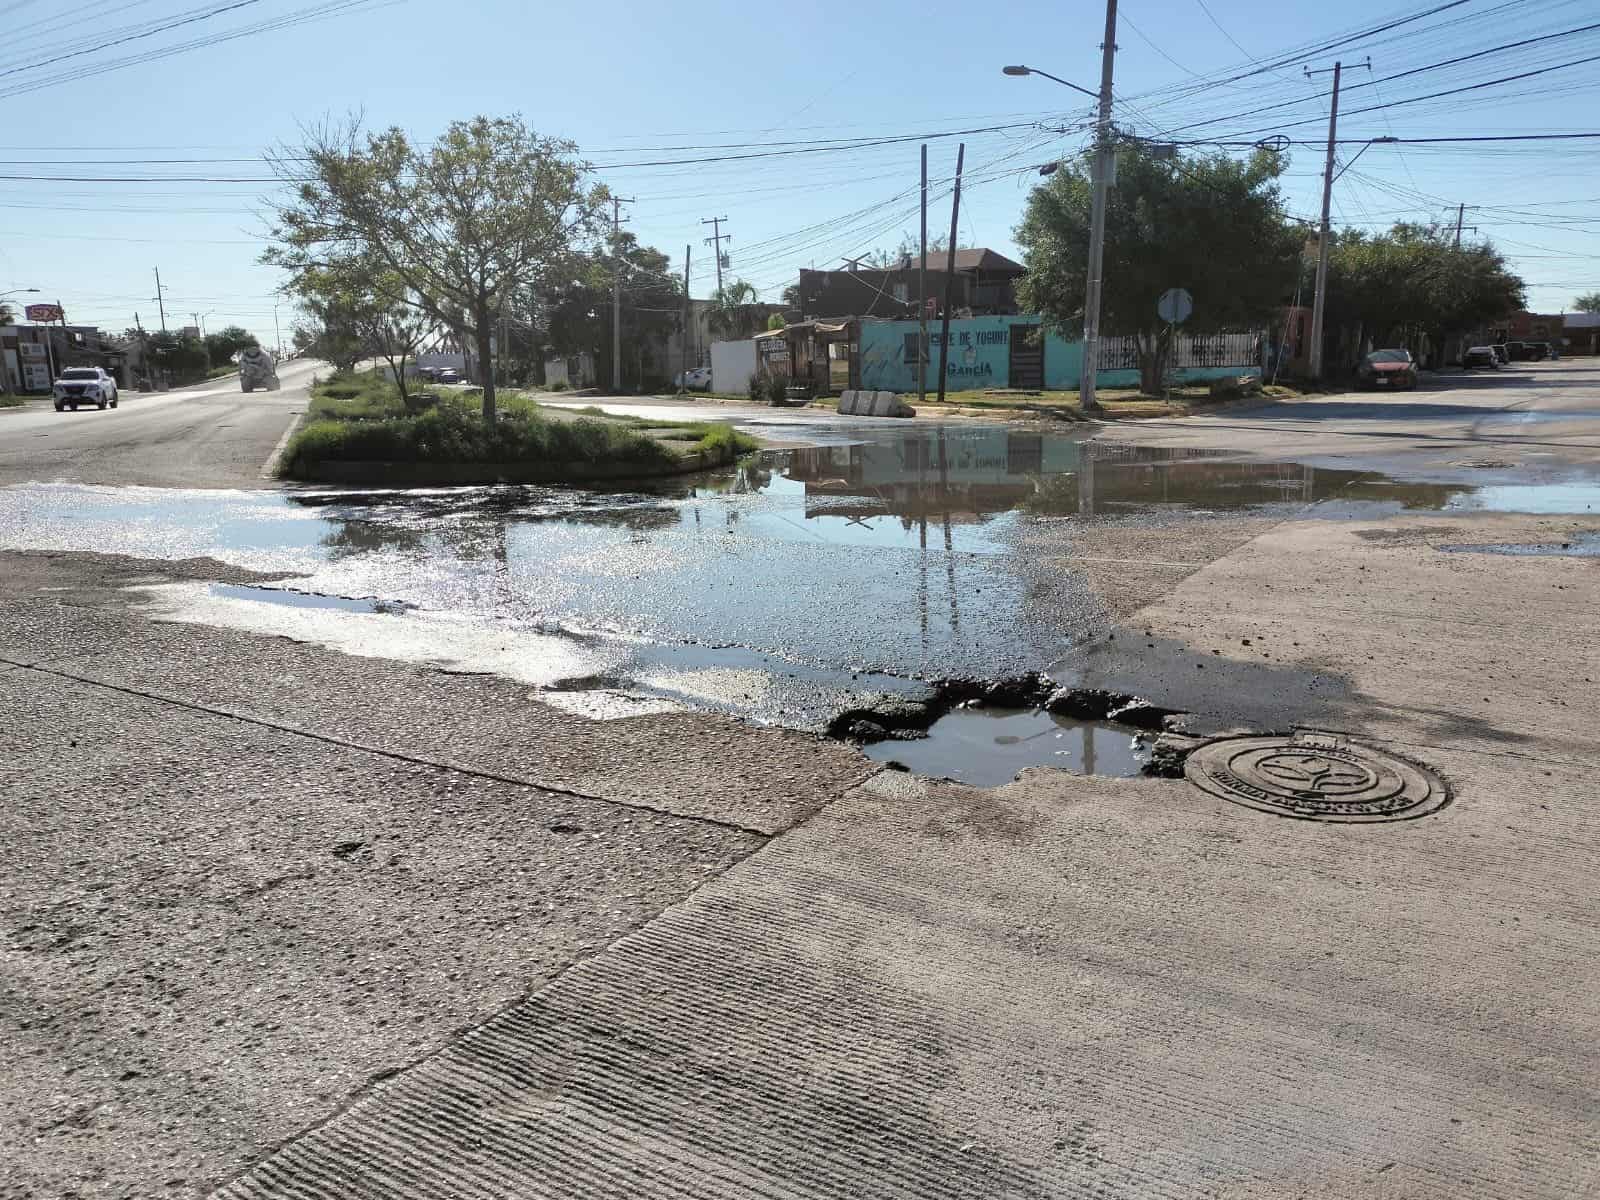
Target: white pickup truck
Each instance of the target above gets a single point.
(256, 370)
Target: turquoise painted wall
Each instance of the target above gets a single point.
(980, 357)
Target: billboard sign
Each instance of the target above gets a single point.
(45, 312)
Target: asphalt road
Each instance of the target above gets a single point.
(209, 435)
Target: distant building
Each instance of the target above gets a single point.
(1582, 333)
(31, 356)
(985, 285)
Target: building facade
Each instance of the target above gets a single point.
(984, 284)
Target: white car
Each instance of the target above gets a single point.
(84, 385)
(695, 379)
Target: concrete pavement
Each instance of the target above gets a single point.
(337, 927)
(208, 435)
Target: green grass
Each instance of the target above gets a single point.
(348, 397)
(219, 372)
(9, 401)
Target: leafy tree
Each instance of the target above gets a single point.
(577, 312)
(486, 211)
(371, 306)
(1393, 287)
(776, 321)
(1589, 302)
(1212, 224)
(734, 310)
(224, 344)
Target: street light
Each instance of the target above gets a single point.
(1097, 221)
(1020, 70)
(16, 292)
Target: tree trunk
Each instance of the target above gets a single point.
(486, 363)
(1154, 349)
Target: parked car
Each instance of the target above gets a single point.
(1387, 369)
(1537, 351)
(448, 375)
(84, 385)
(1480, 356)
(695, 379)
(1500, 353)
(1516, 351)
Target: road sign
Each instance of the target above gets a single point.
(1175, 306)
(44, 312)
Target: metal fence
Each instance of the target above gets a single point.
(1202, 350)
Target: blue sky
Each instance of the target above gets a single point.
(627, 81)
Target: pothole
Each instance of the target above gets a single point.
(1315, 777)
(982, 732)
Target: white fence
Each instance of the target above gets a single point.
(1203, 350)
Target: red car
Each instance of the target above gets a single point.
(1387, 369)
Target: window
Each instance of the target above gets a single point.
(80, 373)
(902, 292)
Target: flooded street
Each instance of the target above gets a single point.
(783, 590)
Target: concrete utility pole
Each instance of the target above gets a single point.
(922, 289)
(715, 242)
(1097, 219)
(616, 292)
(1320, 297)
(160, 303)
(950, 273)
(683, 343)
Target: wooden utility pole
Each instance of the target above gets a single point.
(683, 342)
(616, 292)
(950, 274)
(161, 303)
(715, 242)
(922, 290)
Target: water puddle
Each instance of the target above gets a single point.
(307, 600)
(778, 589)
(1580, 545)
(986, 747)
(1556, 498)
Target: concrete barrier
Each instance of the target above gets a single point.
(855, 403)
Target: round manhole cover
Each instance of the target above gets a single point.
(1315, 777)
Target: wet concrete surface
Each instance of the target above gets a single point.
(780, 591)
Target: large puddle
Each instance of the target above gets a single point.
(777, 590)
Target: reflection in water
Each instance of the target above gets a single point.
(987, 746)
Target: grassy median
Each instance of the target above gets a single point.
(363, 419)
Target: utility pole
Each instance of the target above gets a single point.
(160, 303)
(683, 338)
(1097, 220)
(204, 349)
(715, 242)
(950, 272)
(922, 290)
(1320, 296)
(616, 292)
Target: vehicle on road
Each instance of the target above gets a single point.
(448, 375)
(1480, 356)
(257, 370)
(1500, 354)
(1516, 351)
(1388, 369)
(695, 379)
(84, 385)
(1537, 351)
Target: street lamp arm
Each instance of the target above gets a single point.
(1380, 141)
(1019, 70)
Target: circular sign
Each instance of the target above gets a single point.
(1175, 306)
(1315, 778)
(1277, 143)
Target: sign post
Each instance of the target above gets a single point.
(1175, 307)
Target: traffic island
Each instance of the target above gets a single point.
(375, 440)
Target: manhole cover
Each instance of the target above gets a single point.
(1316, 777)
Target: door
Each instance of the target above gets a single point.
(1027, 357)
